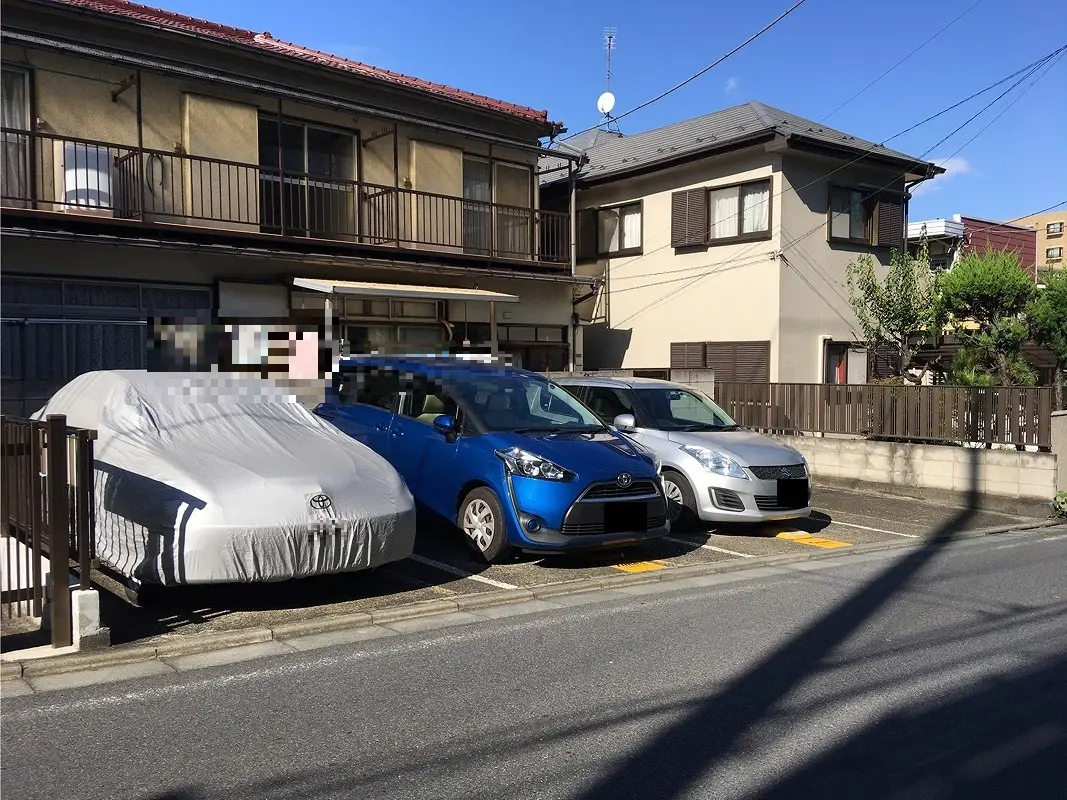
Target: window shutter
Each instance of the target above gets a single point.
(753, 364)
(687, 355)
(689, 218)
(890, 221)
(740, 362)
(587, 234)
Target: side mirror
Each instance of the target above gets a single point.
(625, 423)
(445, 425)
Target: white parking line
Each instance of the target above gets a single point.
(875, 530)
(712, 547)
(461, 572)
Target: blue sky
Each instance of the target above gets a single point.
(550, 55)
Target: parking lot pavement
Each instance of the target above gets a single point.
(444, 567)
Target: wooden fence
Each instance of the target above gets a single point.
(1010, 415)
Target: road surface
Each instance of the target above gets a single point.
(923, 672)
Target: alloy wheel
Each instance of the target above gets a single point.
(479, 524)
(675, 499)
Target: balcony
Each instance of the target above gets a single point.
(48, 173)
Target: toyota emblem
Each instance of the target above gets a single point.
(321, 502)
(625, 479)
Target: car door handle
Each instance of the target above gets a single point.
(381, 428)
(397, 434)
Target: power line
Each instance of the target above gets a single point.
(1029, 68)
(696, 75)
(966, 11)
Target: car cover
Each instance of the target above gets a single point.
(203, 478)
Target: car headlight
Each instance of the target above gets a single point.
(531, 465)
(716, 462)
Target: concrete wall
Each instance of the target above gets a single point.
(814, 299)
(1003, 474)
(1059, 447)
(724, 292)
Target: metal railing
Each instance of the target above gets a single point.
(47, 508)
(1008, 415)
(46, 172)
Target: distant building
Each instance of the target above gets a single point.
(1049, 228)
(949, 239)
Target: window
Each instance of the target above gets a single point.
(940, 262)
(523, 403)
(370, 386)
(851, 215)
(680, 409)
(427, 400)
(867, 217)
(1052, 253)
(1054, 229)
(740, 212)
(608, 403)
(306, 178)
(619, 229)
(15, 113)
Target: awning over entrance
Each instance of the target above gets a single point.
(402, 291)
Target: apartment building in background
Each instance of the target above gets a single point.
(160, 165)
(722, 242)
(949, 239)
(1051, 239)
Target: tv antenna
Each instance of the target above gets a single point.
(606, 102)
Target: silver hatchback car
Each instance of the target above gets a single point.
(713, 469)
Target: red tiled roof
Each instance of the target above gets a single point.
(264, 41)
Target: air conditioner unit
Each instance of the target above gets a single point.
(83, 178)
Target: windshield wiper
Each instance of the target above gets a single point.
(563, 429)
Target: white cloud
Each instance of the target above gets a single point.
(953, 166)
(731, 84)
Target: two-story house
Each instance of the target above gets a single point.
(159, 165)
(722, 242)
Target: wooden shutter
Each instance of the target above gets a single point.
(689, 218)
(741, 362)
(687, 355)
(587, 234)
(890, 221)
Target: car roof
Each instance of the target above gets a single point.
(453, 366)
(621, 382)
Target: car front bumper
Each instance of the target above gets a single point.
(747, 501)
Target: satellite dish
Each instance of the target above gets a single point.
(605, 103)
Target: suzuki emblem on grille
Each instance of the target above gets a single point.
(321, 502)
(625, 479)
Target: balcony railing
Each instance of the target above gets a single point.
(45, 172)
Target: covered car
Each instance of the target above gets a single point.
(201, 478)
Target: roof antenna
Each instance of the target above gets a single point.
(606, 102)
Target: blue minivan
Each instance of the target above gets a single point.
(510, 458)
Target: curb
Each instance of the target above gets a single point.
(221, 640)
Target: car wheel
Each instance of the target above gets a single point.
(681, 502)
(482, 521)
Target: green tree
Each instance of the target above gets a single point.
(1047, 318)
(985, 297)
(899, 312)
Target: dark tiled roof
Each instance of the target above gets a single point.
(612, 154)
(264, 41)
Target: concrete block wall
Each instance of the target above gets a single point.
(1008, 474)
(1059, 447)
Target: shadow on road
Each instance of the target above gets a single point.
(1005, 738)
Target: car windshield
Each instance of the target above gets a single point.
(523, 404)
(673, 409)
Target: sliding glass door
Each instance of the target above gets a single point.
(308, 180)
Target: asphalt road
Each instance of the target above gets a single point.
(444, 567)
(923, 672)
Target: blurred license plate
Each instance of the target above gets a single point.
(793, 493)
(624, 517)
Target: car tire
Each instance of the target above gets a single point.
(681, 502)
(481, 521)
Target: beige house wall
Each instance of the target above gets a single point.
(814, 300)
(1044, 240)
(725, 292)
